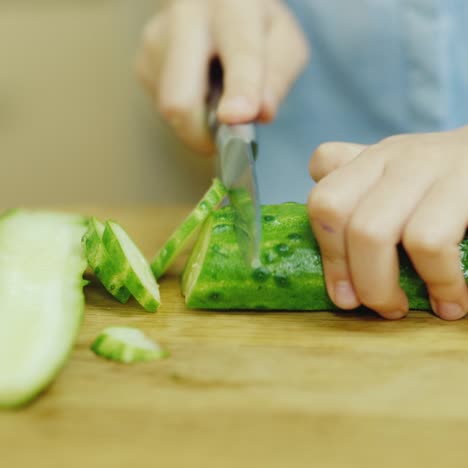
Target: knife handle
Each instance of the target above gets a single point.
(215, 92)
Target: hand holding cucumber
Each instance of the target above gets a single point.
(408, 188)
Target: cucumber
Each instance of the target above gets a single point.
(101, 263)
(41, 299)
(126, 344)
(290, 276)
(131, 266)
(177, 241)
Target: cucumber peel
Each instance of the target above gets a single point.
(131, 266)
(102, 263)
(127, 345)
(290, 276)
(182, 235)
(41, 299)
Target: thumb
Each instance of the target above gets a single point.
(330, 156)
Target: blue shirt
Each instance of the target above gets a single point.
(378, 68)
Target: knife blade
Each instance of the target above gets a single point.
(236, 155)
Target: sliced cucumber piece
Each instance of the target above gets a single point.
(132, 266)
(41, 299)
(101, 263)
(126, 344)
(181, 236)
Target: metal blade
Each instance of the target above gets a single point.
(236, 168)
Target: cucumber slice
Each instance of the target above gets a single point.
(126, 344)
(132, 267)
(41, 299)
(101, 263)
(181, 236)
(290, 277)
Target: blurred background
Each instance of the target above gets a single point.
(75, 126)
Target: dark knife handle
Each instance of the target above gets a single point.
(215, 92)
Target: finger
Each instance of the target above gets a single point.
(287, 53)
(184, 77)
(239, 33)
(330, 156)
(374, 231)
(330, 205)
(431, 239)
(150, 55)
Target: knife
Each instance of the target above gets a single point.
(236, 155)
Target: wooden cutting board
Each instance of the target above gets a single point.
(249, 389)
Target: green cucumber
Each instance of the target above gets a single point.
(101, 263)
(179, 239)
(131, 266)
(126, 344)
(290, 276)
(41, 299)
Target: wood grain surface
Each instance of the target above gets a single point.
(312, 389)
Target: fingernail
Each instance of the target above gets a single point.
(345, 296)
(449, 310)
(395, 315)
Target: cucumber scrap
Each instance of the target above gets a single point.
(131, 266)
(290, 276)
(126, 344)
(41, 299)
(182, 235)
(102, 263)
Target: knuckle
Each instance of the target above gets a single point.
(325, 203)
(363, 229)
(419, 241)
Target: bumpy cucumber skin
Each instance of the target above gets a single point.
(176, 242)
(109, 348)
(102, 264)
(129, 276)
(78, 308)
(291, 275)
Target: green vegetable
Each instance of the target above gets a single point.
(125, 344)
(131, 266)
(290, 276)
(177, 241)
(101, 263)
(41, 299)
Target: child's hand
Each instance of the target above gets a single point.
(261, 47)
(411, 188)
